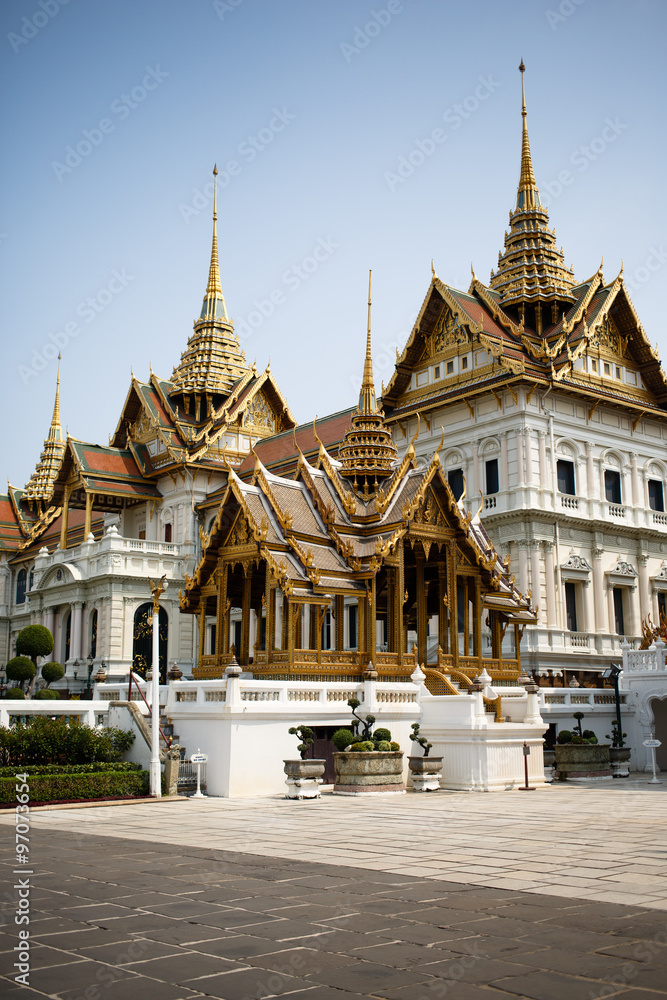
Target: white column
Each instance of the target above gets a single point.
(75, 639)
(636, 486)
(528, 439)
(591, 485)
(523, 565)
(589, 608)
(535, 575)
(519, 457)
(504, 464)
(632, 626)
(551, 586)
(598, 589)
(49, 619)
(476, 474)
(644, 597)
(544, 471)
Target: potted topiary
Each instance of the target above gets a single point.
(304, 776)
(21, 669)
(370, 762)
(426, 771)
(619, 754)
(579, 756)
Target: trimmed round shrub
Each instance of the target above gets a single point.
(394, 746)
(381, 734)
(564, 736)
(45, 694)
(588, 734)
(53, 671)
(576, 738)
(20, 668)
(383, 745)
(342, 738)
(34, 640)
(15, 693)
(363, 745)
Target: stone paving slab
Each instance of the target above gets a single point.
(600, 842)
(306, 930)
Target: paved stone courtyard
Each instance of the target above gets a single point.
(559, 893)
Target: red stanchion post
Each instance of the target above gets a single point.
(526, 754)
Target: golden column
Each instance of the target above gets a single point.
(443, 606)
(453, 603)
(421, 607)
(340, 621)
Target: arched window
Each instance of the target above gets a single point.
(142, 646)
(93, 634)
(21, 583)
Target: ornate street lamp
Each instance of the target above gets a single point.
(157, 589)
(612, 673)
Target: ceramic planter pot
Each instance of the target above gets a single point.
(426, 773)
(368, 772)
(582, 761)
(304, 778)
(620, 758)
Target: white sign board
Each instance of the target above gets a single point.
(652, 743)
(198, 758)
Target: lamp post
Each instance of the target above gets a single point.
(612, 673)
(157, 589)
(91, 661)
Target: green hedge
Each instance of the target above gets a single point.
(48, 788)
(100, 766)
(42, 740)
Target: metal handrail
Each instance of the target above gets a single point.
(167, 739)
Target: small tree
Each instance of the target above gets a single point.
(307, 737)
(52, 672)
(420, 740)
(20, 669)
(579, 716)
(34, 641)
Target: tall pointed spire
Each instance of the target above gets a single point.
(39, 487)
(528, 197)
(213, 360)
(531, 272)
(367, 401)
(56, 431)
(368, 451)
(214, 301)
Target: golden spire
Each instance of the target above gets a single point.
(531, 271)
(56, 431)
(213, 361)
(39, 488)
(214, 301)
(367, 401)
(368, 452)
(528, 197)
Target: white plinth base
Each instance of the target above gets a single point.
(620, 770)
(399, 791)
(303, 788)
(426, 782)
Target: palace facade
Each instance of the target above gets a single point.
(80, 541)
(531, 410)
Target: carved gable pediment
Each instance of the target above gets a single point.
(260, 415)
(448, 333)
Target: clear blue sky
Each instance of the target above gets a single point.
(315, 101)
